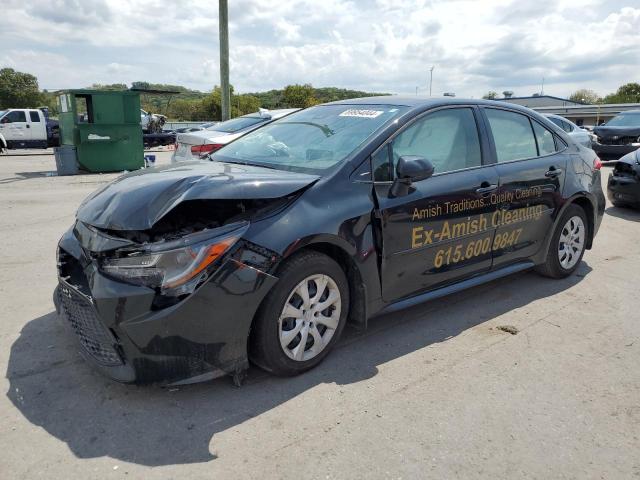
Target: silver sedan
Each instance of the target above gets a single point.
(580, 135)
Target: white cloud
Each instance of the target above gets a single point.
(381, 45)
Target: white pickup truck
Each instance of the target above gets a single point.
(25, 128)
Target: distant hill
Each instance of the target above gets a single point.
(275, 98)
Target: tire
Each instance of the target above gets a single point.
(567, 244)
(272, 328)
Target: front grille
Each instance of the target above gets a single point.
(93, 335)
(625, 140)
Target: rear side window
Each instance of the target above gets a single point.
(512, 135)
(447, 138)
(546, 143)
(34, 116)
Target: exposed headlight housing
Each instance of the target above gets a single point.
(175, 268)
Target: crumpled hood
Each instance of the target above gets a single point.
(137, 200)
(608, 132)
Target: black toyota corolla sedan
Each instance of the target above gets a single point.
(331, 215)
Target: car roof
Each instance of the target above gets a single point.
(424, 103)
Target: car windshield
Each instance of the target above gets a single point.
(2, 112)
(626, 120)
(311, 140)
(236, 124)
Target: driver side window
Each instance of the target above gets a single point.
(447, 138)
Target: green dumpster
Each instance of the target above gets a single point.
(104, 126)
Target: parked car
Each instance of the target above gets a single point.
(580, 135)
(197, 145)
(189, 129)
(331, 214)
(623, 187)
(27, 128)
(619, 136)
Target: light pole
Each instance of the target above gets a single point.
(431, 78)
(223, 28)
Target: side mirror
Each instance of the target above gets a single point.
(410, 168)
(5, 120)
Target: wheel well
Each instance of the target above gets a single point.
(357, 291)
(586, 205)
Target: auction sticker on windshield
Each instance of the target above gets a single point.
(361, 113)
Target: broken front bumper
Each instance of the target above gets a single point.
(623, 190)
(126, 333)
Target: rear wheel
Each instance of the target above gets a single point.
(302, 317)
(567, 245)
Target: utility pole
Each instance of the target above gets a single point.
(223, 28)
(431, 78)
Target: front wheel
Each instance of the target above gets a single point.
(303, 316)
(567, 245)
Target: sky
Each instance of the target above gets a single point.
(375, 45)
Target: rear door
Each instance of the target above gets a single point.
(441, 230)
(37, 127)
(14, 126)
(531, 164)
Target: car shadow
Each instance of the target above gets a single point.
(625, 213)
(55, 389)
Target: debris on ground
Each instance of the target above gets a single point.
(509, 329)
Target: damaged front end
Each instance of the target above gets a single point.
(167, 295)
(167, 311)
(623, 187)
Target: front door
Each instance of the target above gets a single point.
(14, 126)
(441, 231)
(531, 166)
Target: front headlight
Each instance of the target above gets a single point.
(175, 271)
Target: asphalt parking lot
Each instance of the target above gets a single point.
(436, 391)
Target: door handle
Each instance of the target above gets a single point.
(28, 126)
(486, 188)
(553, 172)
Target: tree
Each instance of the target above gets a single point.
(299, 96)
(18, 89)
(110, 86)
(627, 93)
(490, 95)
(507, 94)
(243, 104)
(585, 95)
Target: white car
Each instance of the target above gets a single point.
(580, 135)
(197, 145)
